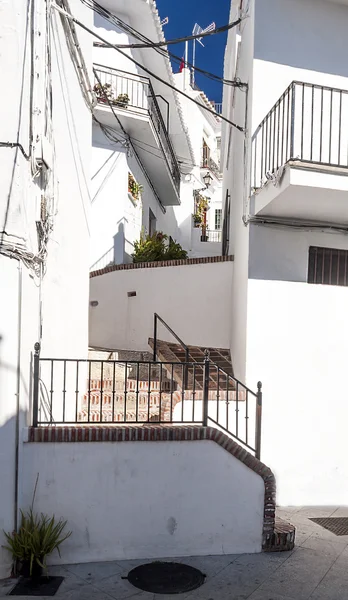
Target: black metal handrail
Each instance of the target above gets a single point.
(91, 392)
(157, 318)
(211, 235)
(142, 99)
(307, 124)
(209, 163)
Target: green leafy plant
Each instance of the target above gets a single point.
(134, 187)
(121, 100)
(156, 247)
(36, 539)
(103, 92)
(201, 206)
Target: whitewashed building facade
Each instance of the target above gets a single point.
(287, 180)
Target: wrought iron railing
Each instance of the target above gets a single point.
(309, 124)
(211, 235)
(94, 392)
(218, 107)
(133, 92)
(209, 163)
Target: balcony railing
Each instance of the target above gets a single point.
(211, 235)
(308, 124)
(141, 100)
(209, 163)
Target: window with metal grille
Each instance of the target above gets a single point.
(218, 218)
(328, 266)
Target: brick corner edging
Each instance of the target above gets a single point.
(162, 263)
(276, 535)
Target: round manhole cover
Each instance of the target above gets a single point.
(166, 578)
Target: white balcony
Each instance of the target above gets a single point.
(300, 156)
(135, 110)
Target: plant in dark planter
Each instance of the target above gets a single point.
(122, 101)
(37, 538)
(197, 219)
(156, 247)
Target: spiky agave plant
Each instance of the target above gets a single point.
(36, 539)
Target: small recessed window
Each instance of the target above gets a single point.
(328, 266)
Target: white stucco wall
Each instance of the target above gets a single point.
(115, 222)
(146, 508)
(195, 301)
(297, 346)
(289, 47)
(58, 309)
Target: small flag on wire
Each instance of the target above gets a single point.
(198, 29)
(165, 21)
(182, 65)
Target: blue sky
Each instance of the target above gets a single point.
(183, 14)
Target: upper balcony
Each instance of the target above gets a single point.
(300, 156)
(135, 109)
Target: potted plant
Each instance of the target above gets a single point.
(37, 538)
(134, 188)
(122, 100)
(103, 92)
(197, 219)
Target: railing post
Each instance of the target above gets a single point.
(187, 358)
(292, 124)
(36, 384)
(206, 387)
(258, 420)
(155, 338)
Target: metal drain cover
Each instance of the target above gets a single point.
(337, 525)
(166, 578)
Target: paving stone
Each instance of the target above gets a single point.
(95, 572)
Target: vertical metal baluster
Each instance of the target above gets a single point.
(137, 396)
(194, 392)
(274, 137)
(77, 390)
(338, 267)
(330, 139)
(340, 130)
(255, 159)
(278, 141)
(51, 394)
(247, 417)
(227, 403)
(149, 394)
(113, 391)
(315, 265)
(262, 153)
(217, 393)
(321, 124)
(171, 394)
(266, 147)
(258, 428)
(287, 152)
(101, 391)
(125, 392)
(302, 121)
(345, 268)
(64, 389)
(89, 392)
(182, 393)
(283, 124)
(160, 393)
(237, 408)
(312, 123)
(330, 268)
(292, 124)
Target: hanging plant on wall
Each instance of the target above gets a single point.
(202, 205)
(134, 188)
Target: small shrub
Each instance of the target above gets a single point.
(37, 537)
(155, 248)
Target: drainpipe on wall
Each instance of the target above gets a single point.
(18, 388)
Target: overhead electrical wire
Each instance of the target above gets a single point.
(111, 17)
(146, 70)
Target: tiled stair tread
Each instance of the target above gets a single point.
(170, 352)
(282, 539)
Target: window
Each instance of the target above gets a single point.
(152, 222)
(206, 154)
(328, 266)
(218, 218)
